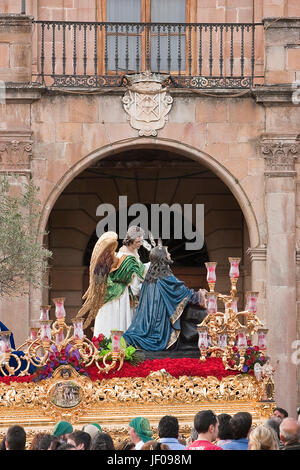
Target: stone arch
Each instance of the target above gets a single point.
(166, 144)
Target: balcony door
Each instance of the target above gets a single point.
(132, 47)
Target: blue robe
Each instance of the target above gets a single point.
(20, 354)
(156, 322)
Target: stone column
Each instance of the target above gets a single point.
(280, 152)
(15, 48)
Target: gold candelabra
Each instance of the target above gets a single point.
(55, 338)
(224, 334)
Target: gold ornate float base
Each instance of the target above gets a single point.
(114, 402)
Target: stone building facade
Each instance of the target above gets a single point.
(233, 148)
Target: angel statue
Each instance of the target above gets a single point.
(115, 282)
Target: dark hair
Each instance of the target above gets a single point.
(16, 438)
(65, 446)
(48, 442)
(35, 441)
(81, 437)
(241, 424)
(224, 430)
(102, 441)
(168, 426)
(2, 444)
(282, 411)
(159, 264)
(203, 419)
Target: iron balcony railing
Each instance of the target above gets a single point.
(195, 55)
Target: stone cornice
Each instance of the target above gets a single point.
(23, 92)
(257, 254)
(274, 95)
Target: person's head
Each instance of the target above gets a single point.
(289, 431)
(36, 440)
(48, 442)
(80, 439)
(62, 429)
(263, 438)
(127, 444)
(102, 441)
(134, 237)
(280, 413)
(155, 445)
(241, 425)
(139, 430)
(15, 438)
(65, 446)
(92, 429)
(160, 262)
(206, 423)
(168, 426)
(274, 423)
(224, 429)
(194, 435)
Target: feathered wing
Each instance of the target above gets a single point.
(102, 259)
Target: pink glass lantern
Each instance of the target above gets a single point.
(34, 334)
(211, 272)
(234, 305)
(234, 267)
(242, 339)
(60, 337)
(78, 329)
(203, 339)
(44, 315)
(261, 339)
(251, 302)
(60, 312)
(211, 303)
(116, 336)
(46, 333)
(5, 346)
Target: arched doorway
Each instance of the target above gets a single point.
(149, 176)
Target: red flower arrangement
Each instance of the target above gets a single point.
(176, 367)
(252, 356)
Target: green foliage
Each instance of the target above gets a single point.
(23, 259)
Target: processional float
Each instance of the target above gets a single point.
(237, 338)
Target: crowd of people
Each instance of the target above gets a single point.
(209, 432)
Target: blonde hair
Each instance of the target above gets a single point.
(263, 438)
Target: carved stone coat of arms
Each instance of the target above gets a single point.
(147, 103)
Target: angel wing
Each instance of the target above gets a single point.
(102, 259)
